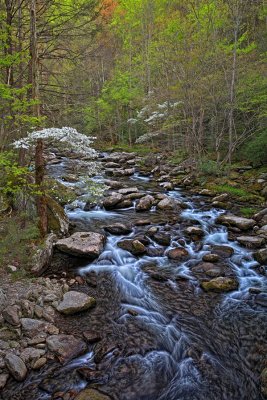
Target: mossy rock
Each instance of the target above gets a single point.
(92, 394)
(220, 284)
(58, 221)
(61, 193)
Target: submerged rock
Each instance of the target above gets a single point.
(220, 284)
(16, 367)
(74, 302)
(133, 246)
(261, 256)
(118, 229)
(145, 203)
(235, 221)
(178, 254)
(251, 241)
(66, 347)
(82, 244)
(92, 394)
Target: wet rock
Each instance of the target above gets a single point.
(220, 284)
(209, 269)
(113, 184)
(111, 201)
(261, 256)
(167, 185)
(221, 198)
(58, 221)
(16, 367)
(167, 204)
(133, 246)
(66, 347)
(262, 231)
(118, 229)
(3, 380)
(179, 254)
(261, 299)
(31, 353)
(11, 315)
(142, 222)
(162, 238)
(123, 204)
(235, 221)
(74, 302)
(260, 215)
(92, 394)
(32, 327)
(263, 380)
(38, 364)
(91, 336)
(43, 256)
(112, 165)
(251, 241)
(89, 205)
(123, 172)
(194, 232)
(128, 190)
(206, 192)
(82, 244)
(145, 203)
(223, 251)
(155, 251)
(3, 300)
(213, 258)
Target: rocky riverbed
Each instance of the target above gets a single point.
(155, 293)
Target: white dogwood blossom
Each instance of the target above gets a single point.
(66, 138)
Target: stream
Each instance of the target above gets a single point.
(163, 337)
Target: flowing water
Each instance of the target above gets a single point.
(163, 339)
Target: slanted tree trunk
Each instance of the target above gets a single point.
(39, 180)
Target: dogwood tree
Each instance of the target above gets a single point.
(65, 138)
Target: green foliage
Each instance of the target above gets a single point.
(177, 157)
(210, 167)
(18, 234)
(256, 150)
(239, 193)
(14, 179)
(248, 212)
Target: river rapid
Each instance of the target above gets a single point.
(162, 336)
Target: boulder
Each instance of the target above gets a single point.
(92, 394)
(263, 380)
(145, 203)
(74, 302)
(16, 367)
(220, 284)
(261, 299)
(66, 347)
(32, 327)
(223, 251)
(118, 229)
(220, 198)
(179, 254)
(262, 231)
(57, 219)
(113, 184)
(82, 244)
(167, 185)
(31, 354)
(126, 203)
(133, 246)
(11, 315)
(128, 190)
(251, 241)
(239, 222)
(110, 201)
(168, 204)
(162, 238)
(3, 300)
(261, 256)
(43, 256)
(211, 258)
(3, 380)
(194, 232)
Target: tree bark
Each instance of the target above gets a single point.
(39, 179)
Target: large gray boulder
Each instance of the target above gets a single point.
(74, 302)
(43, 256)
(16, 367)
(239, 222)
(82, 244)
(168, 204)
(112, 200)
(66, 347)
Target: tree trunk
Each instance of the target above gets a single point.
(39, 179)
(34, 62)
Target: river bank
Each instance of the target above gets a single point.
(180, 297)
